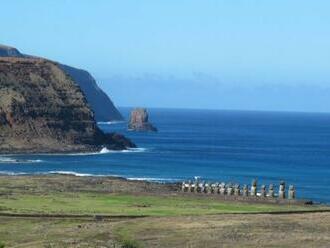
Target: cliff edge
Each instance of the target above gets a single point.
(42, 110)
(100, 103)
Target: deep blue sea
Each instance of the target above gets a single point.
(229, 146)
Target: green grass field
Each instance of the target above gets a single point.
(170, 219)
(131, 205)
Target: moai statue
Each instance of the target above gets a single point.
(199, 187)
(281, 191)
(263, 191)
(245, 190)
(196, 185)
(222, 189)
(271, 191)
(189, 186)
(182, 186)
(202, 187)
(207, 188)
(214, 188)
(292, 192)
(218, 188)
(196, 180)
(193, 187)
(254, 188)
(237, 190)
(210, 188)
(230, 190)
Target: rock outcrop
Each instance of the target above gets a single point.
(42, 110)
(139, 121)
(100, 103)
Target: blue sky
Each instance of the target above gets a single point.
(226, 54)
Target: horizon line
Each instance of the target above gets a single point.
(218, 109)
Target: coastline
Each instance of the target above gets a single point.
(95, 151)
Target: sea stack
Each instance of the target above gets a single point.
(139, 121)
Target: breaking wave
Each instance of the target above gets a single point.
(152, 179)
(71, 173)
(104, 150)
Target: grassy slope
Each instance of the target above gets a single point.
(239, 230)
(262, 230)
(175, 220)
(35, 233)
(126, 204)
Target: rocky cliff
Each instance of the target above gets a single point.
(139, 121)
(103, 107)
(100, 103)
(43, 110)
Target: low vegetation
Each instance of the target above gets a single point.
(139, 214)
(129, 205)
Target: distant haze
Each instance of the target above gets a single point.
(257, 55)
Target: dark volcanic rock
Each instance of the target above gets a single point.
(139, 121)
(100, 103)
(43, 110)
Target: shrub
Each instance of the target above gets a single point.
(130, 244)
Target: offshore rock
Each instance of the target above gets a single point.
(42, 110)
(139, 121)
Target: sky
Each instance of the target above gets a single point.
(213, 54)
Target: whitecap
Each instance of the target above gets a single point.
(138, 149)
(11, 173)
(110, 122)
(152, 179)
(19, 161)
(70, 173)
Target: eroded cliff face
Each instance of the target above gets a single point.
(100, 103)
(43, 110)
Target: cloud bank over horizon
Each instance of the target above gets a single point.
(202, 92)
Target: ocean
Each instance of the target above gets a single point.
(215, 145)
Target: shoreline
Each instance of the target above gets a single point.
(100, 151)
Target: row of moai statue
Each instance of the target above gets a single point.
(230, 189)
